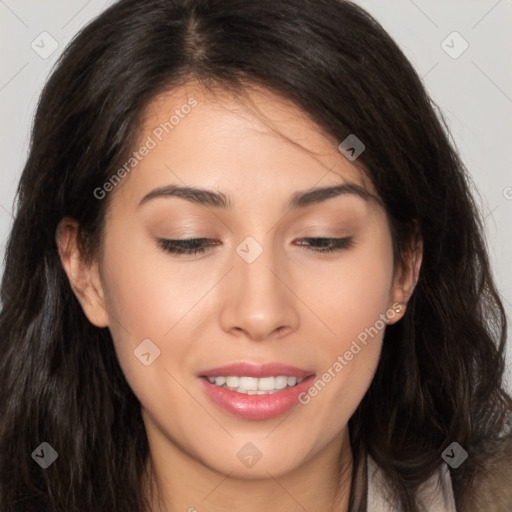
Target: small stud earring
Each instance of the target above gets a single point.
(398, 308)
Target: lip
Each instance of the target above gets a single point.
(246, 369)
(256, 407)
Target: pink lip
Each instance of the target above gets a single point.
(256, 370)
(256, 407)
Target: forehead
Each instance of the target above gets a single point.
(257, 141)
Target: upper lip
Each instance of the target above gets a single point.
(247, 369)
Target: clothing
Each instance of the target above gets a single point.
(431, 492)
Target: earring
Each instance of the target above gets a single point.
(398, 308)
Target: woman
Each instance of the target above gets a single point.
(245, 263)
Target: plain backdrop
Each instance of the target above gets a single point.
(460, 48)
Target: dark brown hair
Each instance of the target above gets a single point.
(439, 379)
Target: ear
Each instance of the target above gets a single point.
(405, 279)
(83, 278)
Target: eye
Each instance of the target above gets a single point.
(199, 245)
(186, 246)
(325, 245)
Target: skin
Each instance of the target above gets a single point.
(290, 305)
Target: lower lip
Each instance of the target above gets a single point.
(256, 407)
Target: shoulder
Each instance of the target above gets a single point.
(435, 495)
(489, 487)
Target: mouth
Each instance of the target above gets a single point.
(254, 391)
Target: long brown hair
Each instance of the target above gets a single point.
(439, 379)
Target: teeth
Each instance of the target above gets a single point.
(232, 382)
(292, 381)
(281, 382)
(267, 383)
(249, 383)
(253, 385)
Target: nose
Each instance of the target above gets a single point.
(259, 300)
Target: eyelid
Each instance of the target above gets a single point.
(182, 245)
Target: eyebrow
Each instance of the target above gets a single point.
(217, 199)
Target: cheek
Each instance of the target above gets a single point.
(351, 293)
(148, 299)
(147, 290)
(145, 299)
(352, 297)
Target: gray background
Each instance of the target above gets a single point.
(473, 89)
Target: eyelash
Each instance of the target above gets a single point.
(193, 246)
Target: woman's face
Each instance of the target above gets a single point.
(260, 293)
